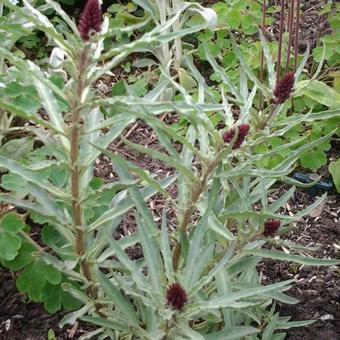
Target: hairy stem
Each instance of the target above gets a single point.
(196, 192)
(75, 171)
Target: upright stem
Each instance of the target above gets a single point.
(290, 30)
(75, 170)
(195, 195)
(263, 27)
(281, 30)
(297, 24)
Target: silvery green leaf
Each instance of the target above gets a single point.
(292, 324)
(165, 248)
(64, 16)
(321, 63)
(75, 292)
(309, 117)
(233, 333)
(47, 203)
(149, 7)
(117, 250)
(91, 335)
(224, 289)
(164, 158)
(276, 255)
(56, 58)
(245, 109)
(302, 64)
(208, 14)
(109, 323)
(71, 318)
(281, 297)
(219, 228)
(41, 21)
(151, 253)
(189, 333)
(269, 61)
(93, 137)
(281, 202)
(219, 266)
(246, 66)
(219, 302)
(49, 103)
(120, 207)
(243, 264)
(117, 298)
(218, 69)
(30, 176)
(144, 63)
(203, 260)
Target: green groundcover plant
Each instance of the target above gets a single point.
(198, 281)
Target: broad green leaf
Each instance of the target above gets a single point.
(23, 258)
(313, 160)
(320, 92)
(10, 241)
(28, 282)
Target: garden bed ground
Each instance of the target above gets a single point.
(318, 289)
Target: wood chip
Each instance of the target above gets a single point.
(317, 211)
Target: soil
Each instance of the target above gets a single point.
(317, 288)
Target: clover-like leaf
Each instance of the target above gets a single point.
(10, 241)
(34, 278)
(23, 258)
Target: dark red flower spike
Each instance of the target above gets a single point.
(176, 296)
(243, 130)
(90, 19)
(284, 88)
(271, 227)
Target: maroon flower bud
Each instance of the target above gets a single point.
(243, 130)
(176, 296)
(271, 227)
(284, 88)
(90, 19)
